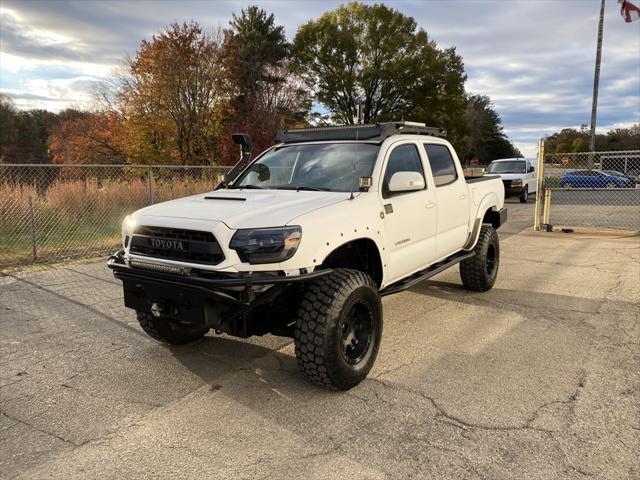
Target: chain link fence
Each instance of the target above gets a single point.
(590, 190)
(55, 213)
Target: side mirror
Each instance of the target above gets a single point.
(406, 182)
(531, 169)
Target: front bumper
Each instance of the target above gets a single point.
(513, 192)
(197, 296)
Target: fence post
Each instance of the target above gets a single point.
(32, 223)
(539, 188)
(547, 209)
(150, 184)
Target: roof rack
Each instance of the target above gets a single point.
(377, 132)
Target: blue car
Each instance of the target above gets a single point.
(594, 179)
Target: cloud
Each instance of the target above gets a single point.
(55, 94)
(534, 59)
(20, 40)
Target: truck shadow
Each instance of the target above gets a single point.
(515, 300)
(215, 357)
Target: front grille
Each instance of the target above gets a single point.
(507, 184)
(191, 246)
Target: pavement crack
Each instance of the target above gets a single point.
(332, 450)
(462, 423)
(38, 429)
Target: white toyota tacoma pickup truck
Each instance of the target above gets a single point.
(303, 241)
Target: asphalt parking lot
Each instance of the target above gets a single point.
(538, 378)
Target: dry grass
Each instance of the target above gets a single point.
(76, 217)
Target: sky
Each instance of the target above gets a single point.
(533, 58)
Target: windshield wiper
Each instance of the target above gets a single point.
(304, 188)
(248, 187)
(312, 189)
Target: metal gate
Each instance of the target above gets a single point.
(588, 190)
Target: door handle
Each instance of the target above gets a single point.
(430, 204)
(462, 196)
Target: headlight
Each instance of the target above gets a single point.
(266, 245)
(128, 226)
(516, 183)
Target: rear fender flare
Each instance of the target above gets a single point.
(488, 202)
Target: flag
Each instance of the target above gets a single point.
(629, 11)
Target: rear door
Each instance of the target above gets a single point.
(452, 199)
(410, 218)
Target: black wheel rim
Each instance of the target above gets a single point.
(491, 259)
(357, 333)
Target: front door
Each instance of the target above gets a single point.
(410, 218)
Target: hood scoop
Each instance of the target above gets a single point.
(233, 199)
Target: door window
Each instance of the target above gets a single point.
(404, 158)
(442, 165)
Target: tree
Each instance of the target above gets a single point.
(267, 96)
(88, 138)
(485, 138)
(377, 55)
(172, 95)
(567, 140)
(256, 47)
(579, 145)
(620, 139)
(573, 140)
(8, 125)
(26, 134)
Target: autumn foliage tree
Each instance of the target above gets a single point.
(89, 138)
(173, 96)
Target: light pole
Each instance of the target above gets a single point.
(596, 81)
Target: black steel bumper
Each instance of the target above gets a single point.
(219, 280)
(200, 297)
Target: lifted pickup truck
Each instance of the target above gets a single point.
(304, 240)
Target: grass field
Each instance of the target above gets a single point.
(75, 218)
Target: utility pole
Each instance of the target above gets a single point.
(596, 82)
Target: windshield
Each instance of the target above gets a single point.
(334, 167)
(515, 166)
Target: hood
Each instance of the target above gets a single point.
(245, 208)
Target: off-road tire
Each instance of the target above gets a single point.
(319, 333)
(168, 330)
(479, 272)
(524, 198)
